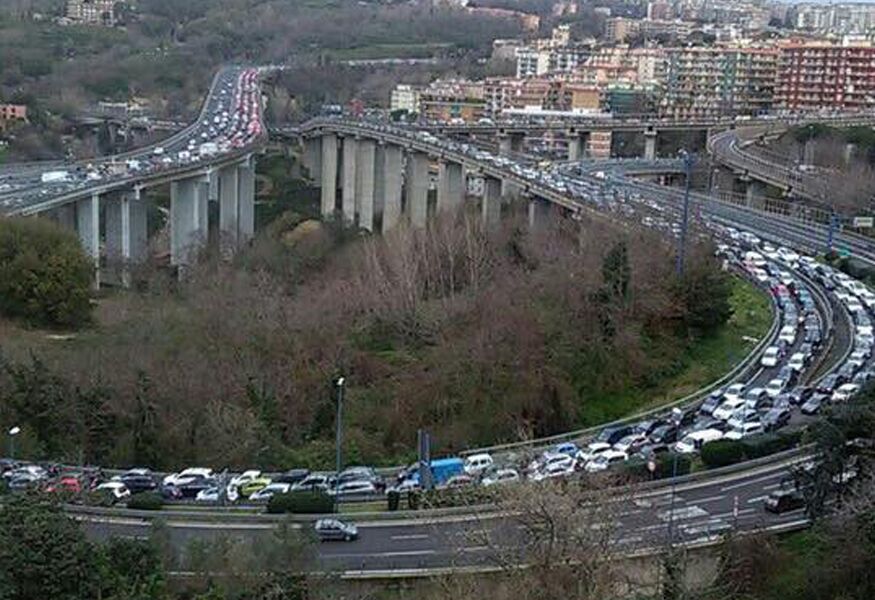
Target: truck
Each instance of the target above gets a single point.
(442, 469)
(55, 176)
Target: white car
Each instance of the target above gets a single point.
(797, 361)
(554, 470)
(477, 463)
(788, 334)
(693, 442)
(269, 491)
(605, 460)
(210, 494)
(734, 391)
(788, 256)
(592, 451)
(116, 489)
(744, 430)
(771, 356)
(501, 476)
(844, 392)
(187, 476)
(775, 387)
(354, 488)
(725, 411)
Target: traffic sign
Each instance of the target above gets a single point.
(864, 222)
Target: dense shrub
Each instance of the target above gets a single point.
(301, 503)
(146, 501)
(665, 466)
(45, 276)
(764, 445)
(721, 453)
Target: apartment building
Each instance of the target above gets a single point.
(711, 82)
(453, 101)
(813, 76)
(92, 12)
(405, 97)
(12, 113)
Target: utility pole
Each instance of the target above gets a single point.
(688, 167)
(339, 438)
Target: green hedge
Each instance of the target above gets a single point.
(770, 443)
(146, 501)
(722, 453)
(301, 503)
(450, 497)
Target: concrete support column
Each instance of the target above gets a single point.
(574, 147)
(391, 176)
(417, 188)
(754, 193)
(126, 234)
(213, 182)
(329, 175)
(490, 208)
(650, 144)
(505, 144)
(350, 151)
(188, 228)
(365, 183)
(88, 228)
(312, 160)
(228, 210)
(451, 186)
(848, 153)
(539, 210)
(518, 143)
(246, 200)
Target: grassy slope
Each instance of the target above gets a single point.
(703, 362)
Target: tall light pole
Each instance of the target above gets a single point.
(688, 167)
(676, 416)
(14, 431)
(339, 438)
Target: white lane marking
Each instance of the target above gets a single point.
(475, 548)
(385, 554)
(687, 512)
(748, 482)
(772, 486)
(415, 536)
(743, 511)
(756, 499)
(711, 499)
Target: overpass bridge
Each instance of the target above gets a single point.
(212, 160)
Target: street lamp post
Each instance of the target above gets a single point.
(14, 431)
(339, 438)
(688, 166)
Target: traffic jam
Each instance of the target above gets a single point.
(230, 122)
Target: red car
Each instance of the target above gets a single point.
(68, 484)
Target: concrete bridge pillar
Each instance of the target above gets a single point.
(504, 145)
(188, 219)
(228, 210)
(246, 200)
(88, 229)
(848, 153)
(328, 175)
(510, 190)
(312, 159)
(451, 186)
(650, 136)
(417, 188)
(350, 151)
(754, 191)
(365, 183)
(490, 208)
(126, 234)
(390, 184)
(539, 211)
(575, 147)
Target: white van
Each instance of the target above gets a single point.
(693, 442)
(477, 463)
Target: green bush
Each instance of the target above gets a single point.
(721, 453)
(45, 276)
(301, 503)
(770, 443)
(459, 496)
(146, 501)
(664, 465)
